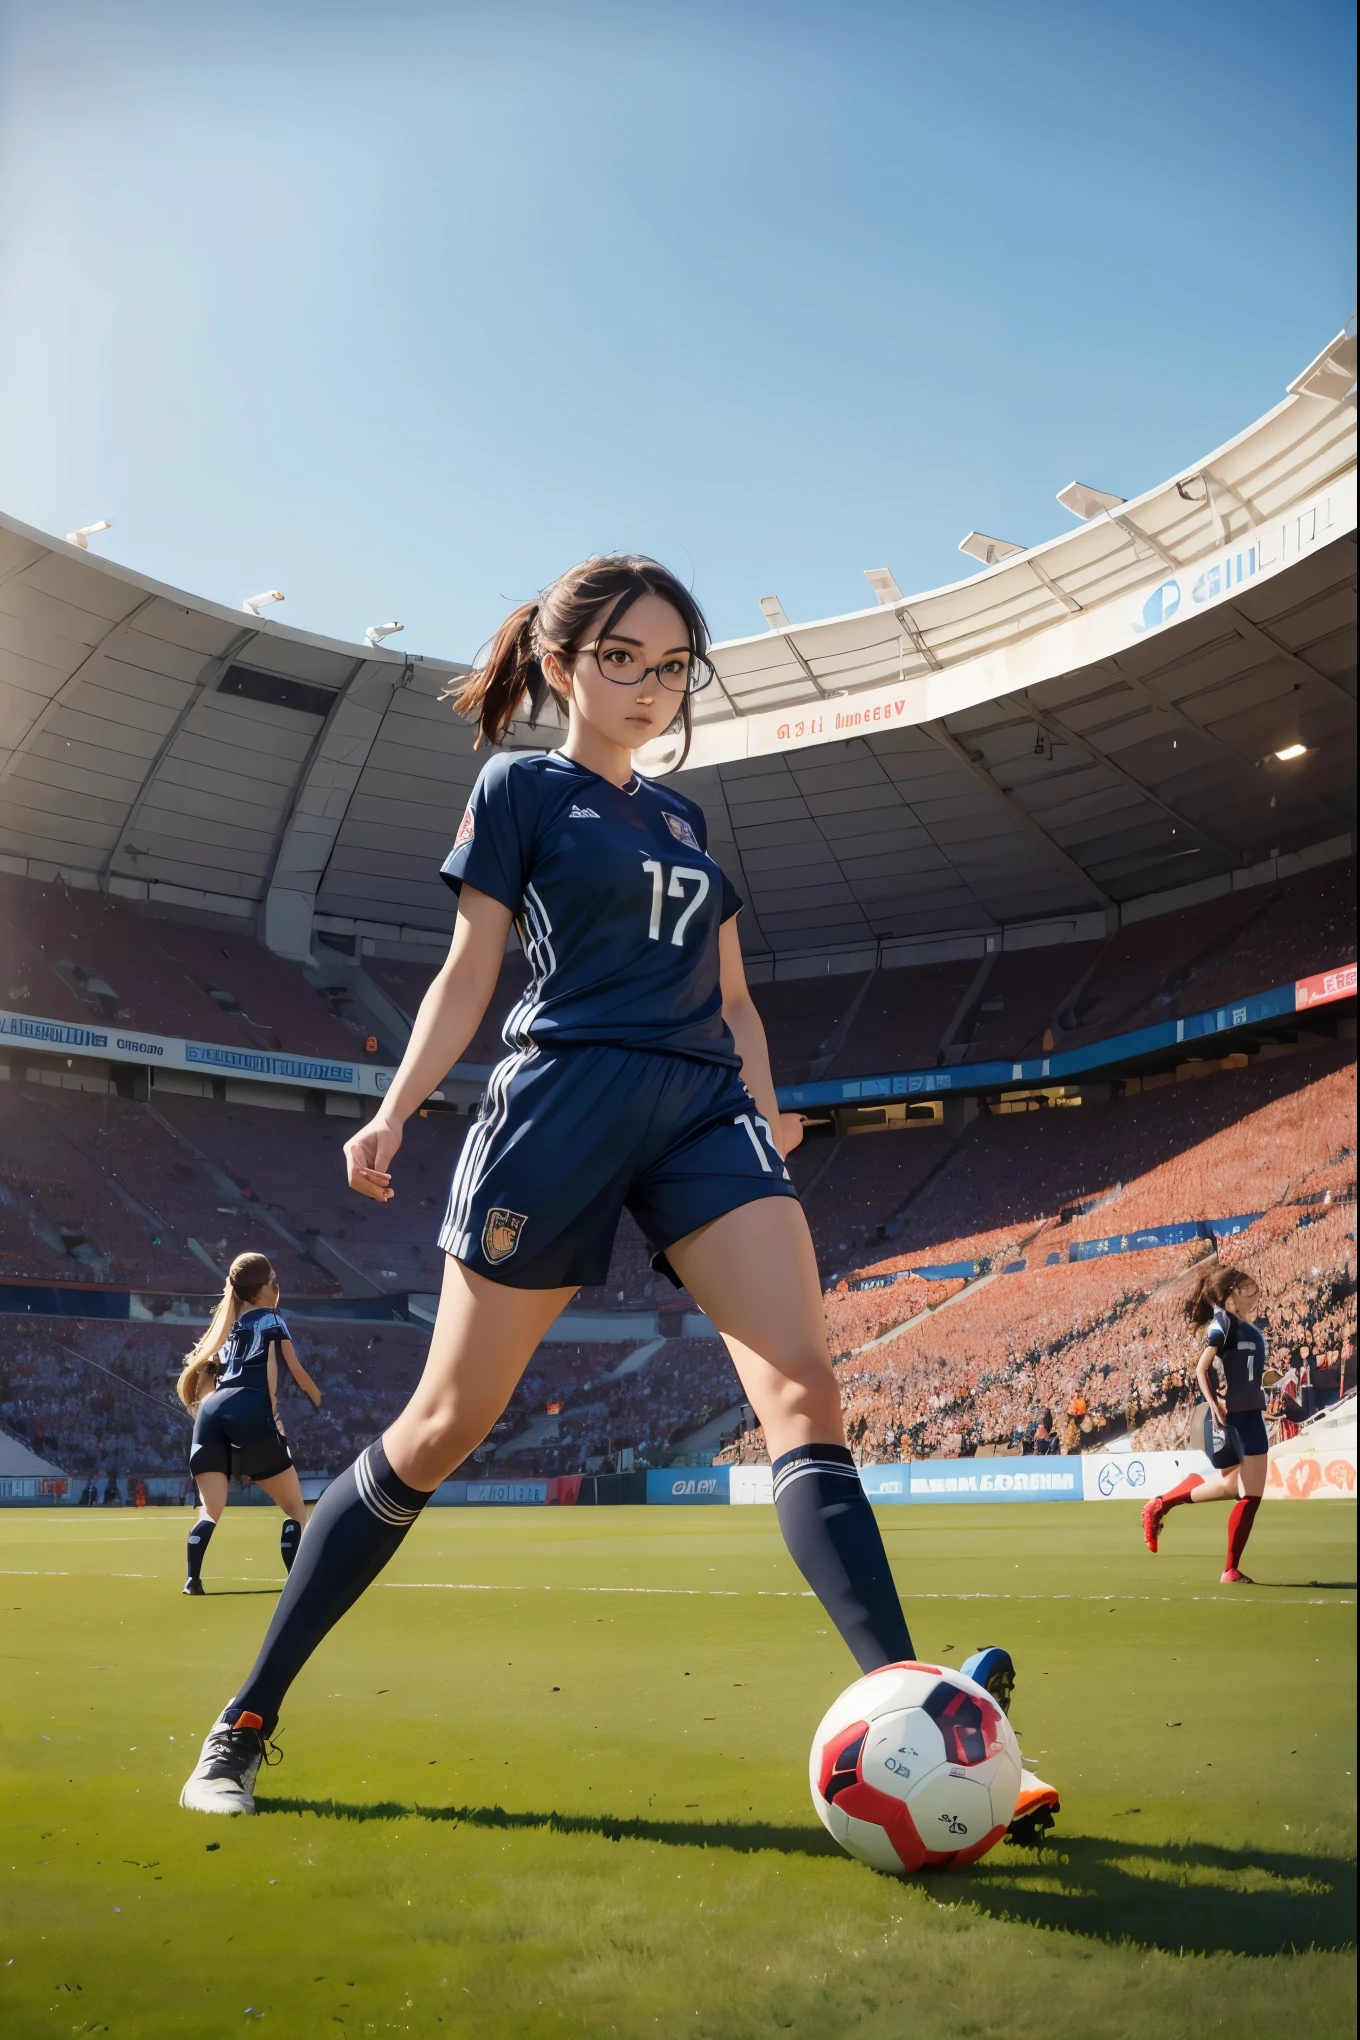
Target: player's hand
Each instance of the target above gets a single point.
(367, 1157)
(788, 1132)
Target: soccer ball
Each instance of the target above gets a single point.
(915, 1767)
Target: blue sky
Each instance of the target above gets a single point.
(404, 307)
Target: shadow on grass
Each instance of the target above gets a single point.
(746, 1838)
(1198, 1899)
(1192, 1899)
(238, 1593)
(1321, 1586)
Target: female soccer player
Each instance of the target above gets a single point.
(637, 1074)
(231, 1381)
(1234, 1426)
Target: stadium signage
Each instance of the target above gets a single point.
(1058, 1067)
(172, 1052)
(1152, 605)
(688, 1485)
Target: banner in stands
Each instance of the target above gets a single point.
(943, 1480)
(1158, 1236)
(206, 1058)
(688, 1484)
(1328, 985)
(1136, 1476)
(1074, 1062)
(1303, 1472)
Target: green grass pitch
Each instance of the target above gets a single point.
(550, 1778)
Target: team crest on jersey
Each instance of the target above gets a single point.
(500, 1234)
(681, 831)
(465, 828)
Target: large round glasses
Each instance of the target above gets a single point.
(678, 672)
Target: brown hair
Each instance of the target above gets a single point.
(1212, 1291)
(247, 1276)
(558, 622)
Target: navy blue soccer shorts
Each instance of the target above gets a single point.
(568, 1137)
(1243, 1437)
(235, 1433)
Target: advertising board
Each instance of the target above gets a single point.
(688, 1485)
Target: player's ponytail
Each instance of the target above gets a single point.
(1212, 1292)
(562, 620)
(247, 1276)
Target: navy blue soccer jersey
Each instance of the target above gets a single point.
(616, 899)
(244, 1360)
(1241, 1350)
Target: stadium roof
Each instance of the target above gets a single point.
(1083, 723)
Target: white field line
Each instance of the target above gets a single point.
(707, 1593)
(804, 1594)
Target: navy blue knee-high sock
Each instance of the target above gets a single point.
(199, 1538)
(355, 1529)
(289, 1538)
(835, 1543)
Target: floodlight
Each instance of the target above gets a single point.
(376, 632)
(254, 603)
(883, 585)
(86, 532)
(988, 550)
(773, 611)
(1086, 503)
(1291, 751)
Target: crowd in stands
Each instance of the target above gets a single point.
(1104, 1345)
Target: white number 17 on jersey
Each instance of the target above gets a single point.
(681, 876)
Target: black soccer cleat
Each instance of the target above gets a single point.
(194, 1586)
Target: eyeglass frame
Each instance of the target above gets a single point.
(699, 658)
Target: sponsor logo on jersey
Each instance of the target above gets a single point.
(583, 814)
(681, 831)
(465, 828)
(500, 1234)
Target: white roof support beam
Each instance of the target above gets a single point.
(320, 803)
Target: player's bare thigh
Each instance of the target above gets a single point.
(285, 1489)
(754, 1273)
(1251, 1475)
(484, 1335)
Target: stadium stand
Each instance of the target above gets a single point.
(407, 983)
(1188, 961)
(294, 1163)
(100, 1189)
(1177, 963)
(1026, 1336)
(69, 954)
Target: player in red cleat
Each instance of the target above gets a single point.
(1234, 1429)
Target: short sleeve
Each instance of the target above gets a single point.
(732, 901)
(277, 1327)
(491, 848)
(1217, 1330)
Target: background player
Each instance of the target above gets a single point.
(230, 1382)
(638, 1073)
(1234, 1424)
